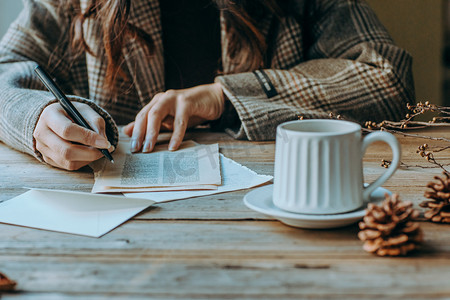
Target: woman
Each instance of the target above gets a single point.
(243, 66)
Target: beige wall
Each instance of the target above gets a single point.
(417, 26)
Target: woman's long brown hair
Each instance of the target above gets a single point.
(247, 45)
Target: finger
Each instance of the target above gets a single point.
(128, 129)
(67, 165)
(51, 145)
(111, 149)
(96, 122)
(62, 151)
(179, 127)
(141, 124)
(51, 162)
(138, 132)
(72, 166)
(72, 132)
(167, 123)
(155, 117)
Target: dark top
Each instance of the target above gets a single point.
(191, 39)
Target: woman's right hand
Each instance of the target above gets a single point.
(66, 145)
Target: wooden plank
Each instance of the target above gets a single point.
(230, 278)
(250, 239)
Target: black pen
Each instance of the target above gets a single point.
(66, 104)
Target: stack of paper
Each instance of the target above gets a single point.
(192, 167)
(234, 177)
(194, 170)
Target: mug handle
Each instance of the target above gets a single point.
(389, 139)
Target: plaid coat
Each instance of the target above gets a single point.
(327, 56)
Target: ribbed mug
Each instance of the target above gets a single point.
(318, 166)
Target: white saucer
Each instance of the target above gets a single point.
(260, 200)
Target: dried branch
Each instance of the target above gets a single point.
(385, 163)
(440, 119)
(439, 149)
(429, 156)
(409, 134)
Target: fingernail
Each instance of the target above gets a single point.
(172, 146)
(135, 145)
(111, 149)
(147, 146)
(102, 143)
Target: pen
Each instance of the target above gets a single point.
(66, 104)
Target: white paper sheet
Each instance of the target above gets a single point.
(234, 177)
(70, 212)
(192, 167)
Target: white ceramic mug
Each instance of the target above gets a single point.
(318, 166)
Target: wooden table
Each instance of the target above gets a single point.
(214, 247)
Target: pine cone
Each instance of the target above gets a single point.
(439, 205)
(6, 284)
(389, 229)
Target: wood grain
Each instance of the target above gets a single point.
(214, 247)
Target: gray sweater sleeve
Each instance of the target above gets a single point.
(34, 38)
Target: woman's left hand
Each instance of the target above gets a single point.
(175, 110)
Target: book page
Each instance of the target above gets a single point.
(191, 167)
(234, 177)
